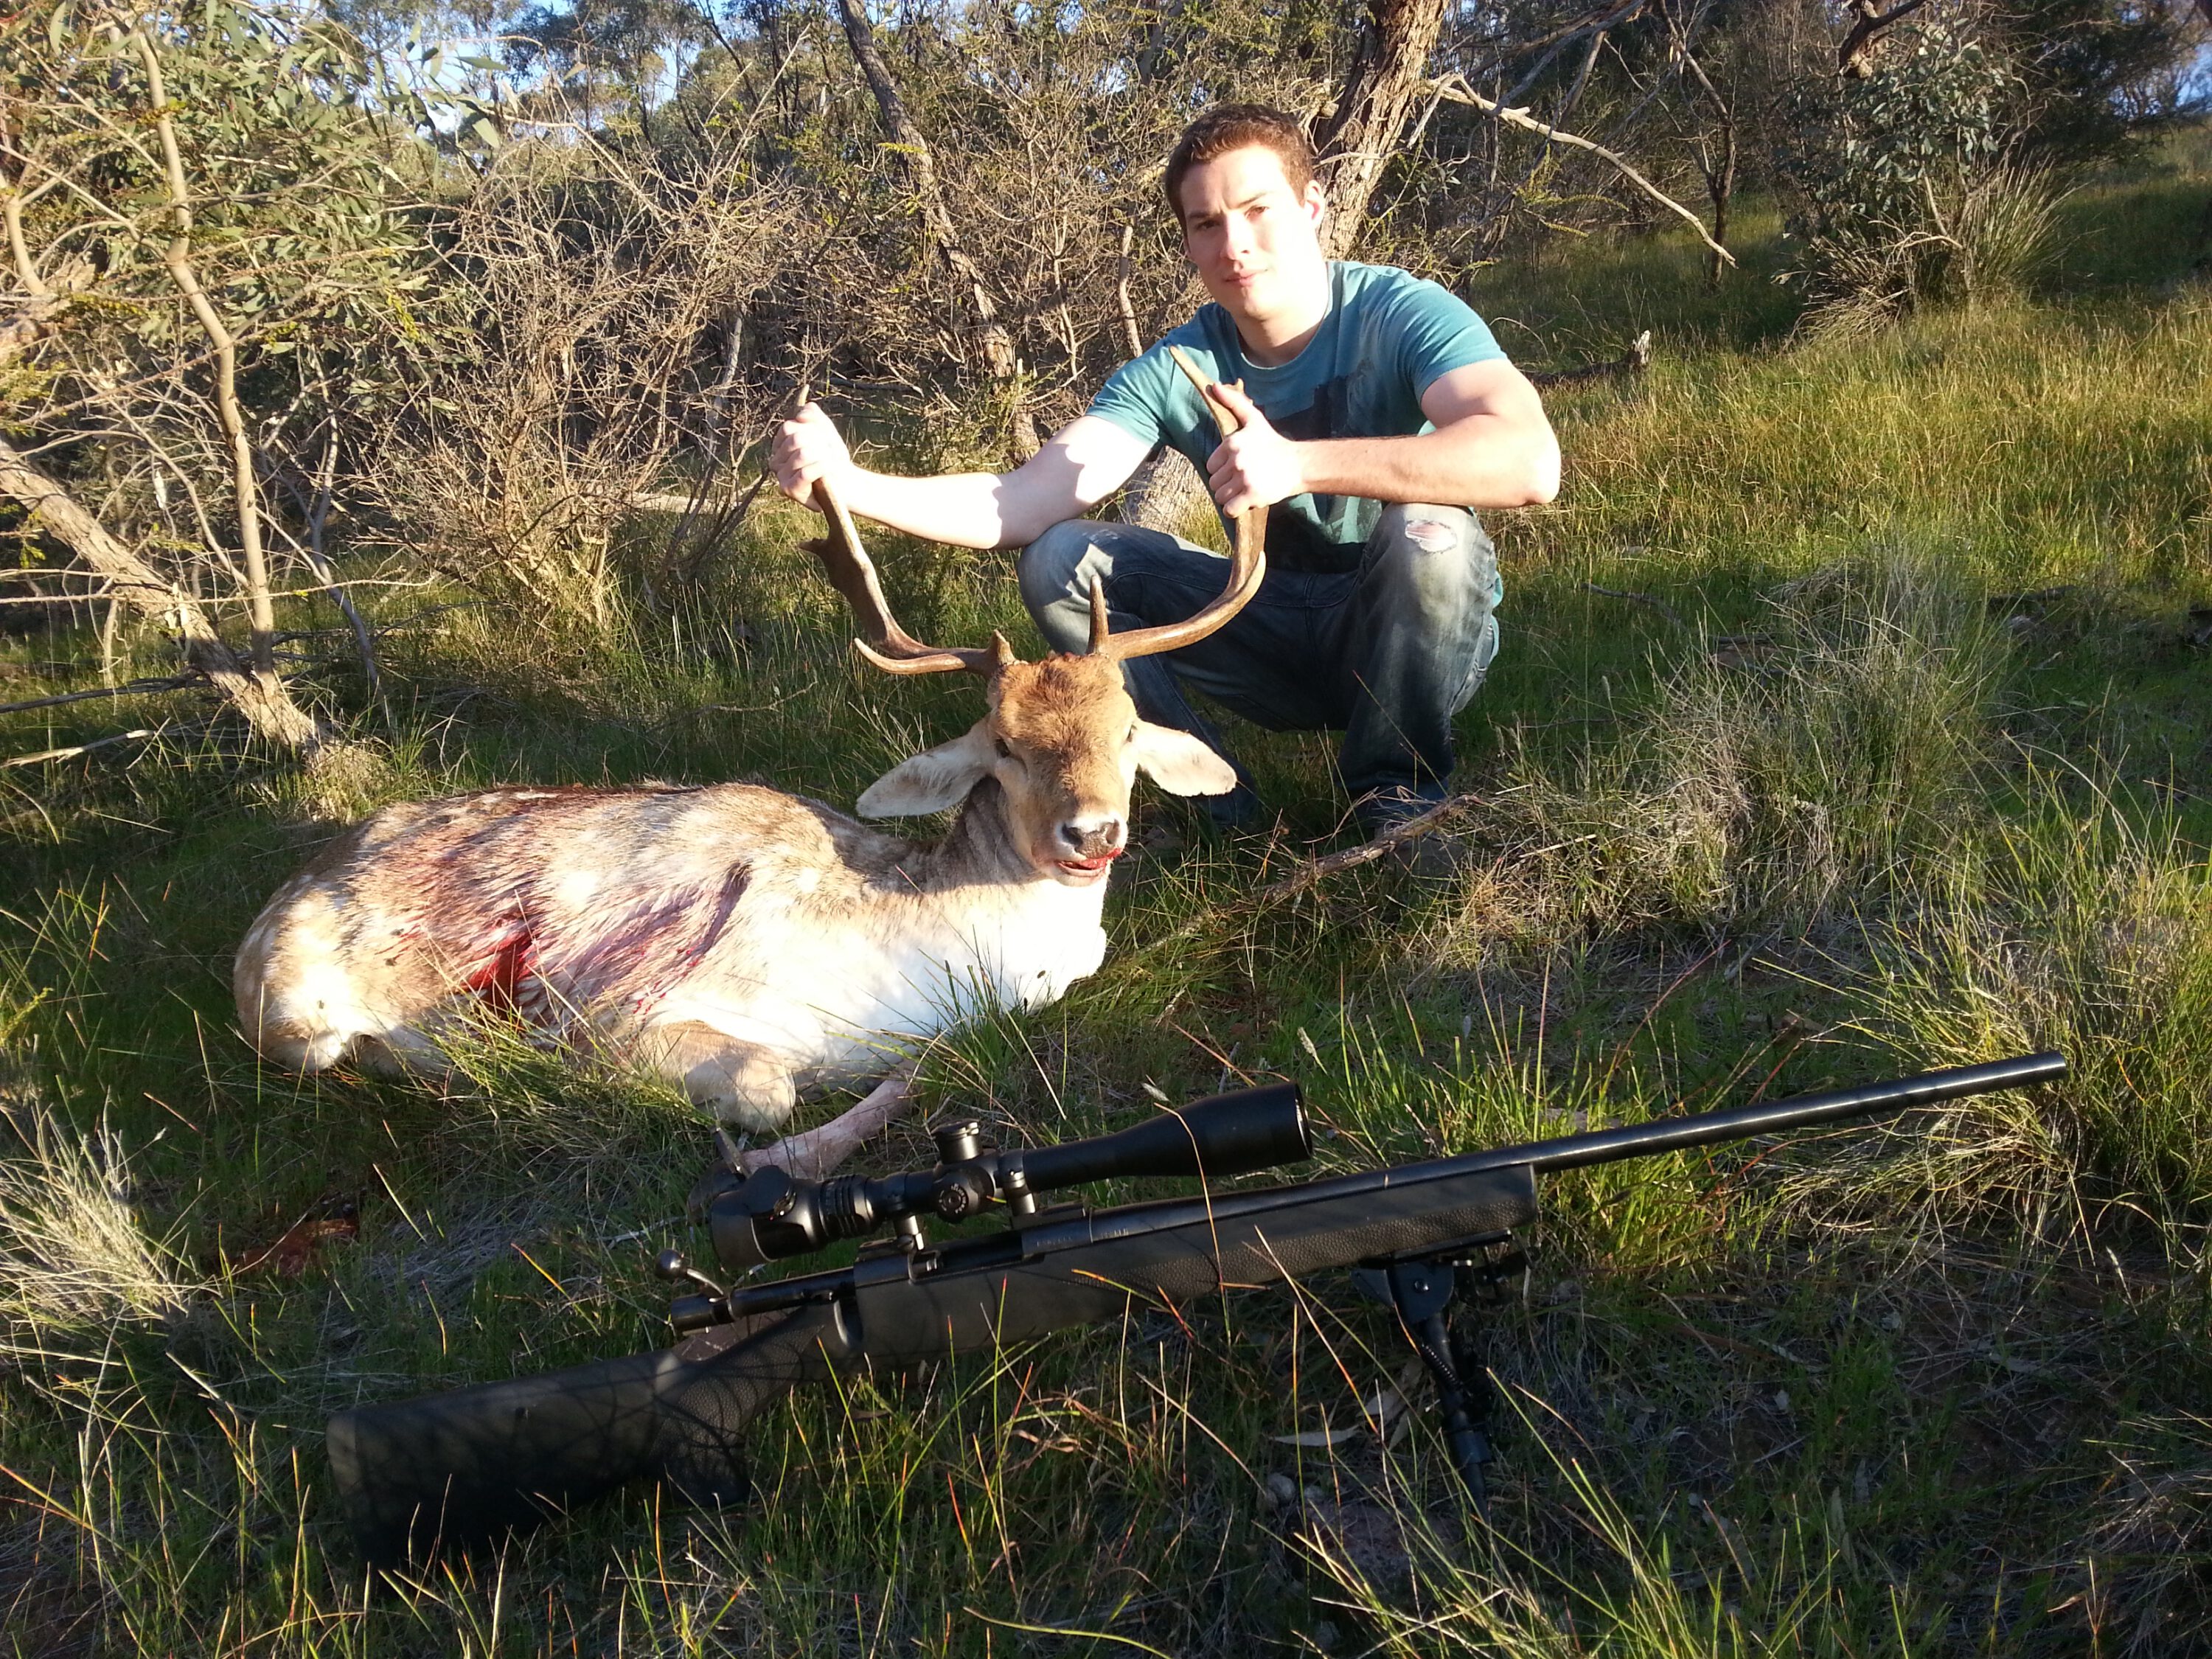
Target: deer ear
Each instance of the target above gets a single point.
(932, 780)
(1180, 763)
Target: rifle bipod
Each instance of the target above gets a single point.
(1421, 1289)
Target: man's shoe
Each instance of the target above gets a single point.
(1430, 855)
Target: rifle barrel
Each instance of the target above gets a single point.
(1668, 1134)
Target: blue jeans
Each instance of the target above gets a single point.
(1386, 652)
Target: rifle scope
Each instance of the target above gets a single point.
(770, 1215)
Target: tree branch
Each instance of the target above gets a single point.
(1453, 89)
(76, 749)
(178, 259)
(39, 315)
(1630, 362)
(1855, 57)
(996, 346)
(262, 699)
(136, 689)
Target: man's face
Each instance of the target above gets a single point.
(1256, 242)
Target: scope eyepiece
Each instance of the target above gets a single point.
(770, 1215)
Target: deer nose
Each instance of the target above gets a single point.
(1091, 838)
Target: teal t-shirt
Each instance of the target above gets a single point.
(1388, 335)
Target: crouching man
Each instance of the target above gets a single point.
(1379, 413)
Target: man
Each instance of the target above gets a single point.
(1378, 410)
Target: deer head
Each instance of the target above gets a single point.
(1061, 736)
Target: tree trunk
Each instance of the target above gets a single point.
(267, 707)
(1386, 85)
(246, 489)
(1719, 175)
(993, 342)
(1720, 186)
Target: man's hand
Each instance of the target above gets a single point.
(1257, 466)
(808, 448)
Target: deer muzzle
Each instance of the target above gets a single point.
(1088, 846)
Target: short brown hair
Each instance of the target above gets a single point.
(1239, 126)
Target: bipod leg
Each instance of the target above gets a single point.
(1422, 1293)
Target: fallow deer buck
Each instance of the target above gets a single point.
(748, 944)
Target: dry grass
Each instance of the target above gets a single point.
(75, 1259)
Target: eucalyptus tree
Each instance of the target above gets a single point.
(206, 211)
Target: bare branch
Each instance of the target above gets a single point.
(1658, 604)
(135, 689)
(1453, 89)
(991, 336)
(1131, 337)
(76, 749)
(39, 315)
(1855, 55)
(1631, 363)
(262, 699)
(178, 261)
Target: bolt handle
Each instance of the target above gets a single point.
(671, 1266)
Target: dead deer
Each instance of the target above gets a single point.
(747, 944)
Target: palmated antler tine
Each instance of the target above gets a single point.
(1248, 564)
(852, 573)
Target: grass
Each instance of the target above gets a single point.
(1900, 755)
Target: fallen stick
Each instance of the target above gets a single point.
(76, 749)
(137, 688)
(1660, 605)
(1312, 870)
(1630, 362)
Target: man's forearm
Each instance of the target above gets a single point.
(963, 509)
(1477, 462)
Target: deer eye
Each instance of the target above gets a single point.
(1131, 737)
(1005, 751)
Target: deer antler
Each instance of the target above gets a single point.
(852, 573)
(1248, 566)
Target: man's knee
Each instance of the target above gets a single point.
(1046, 567)
(1434, 560)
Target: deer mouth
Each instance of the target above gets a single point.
(1089, 869)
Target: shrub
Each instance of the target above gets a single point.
(1887, 167)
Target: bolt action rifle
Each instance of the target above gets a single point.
(456, 1468)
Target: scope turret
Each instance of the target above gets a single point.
(770, 1216)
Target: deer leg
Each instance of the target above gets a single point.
(741, 1083)
(816, 1153)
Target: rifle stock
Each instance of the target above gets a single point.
(476, 1462)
